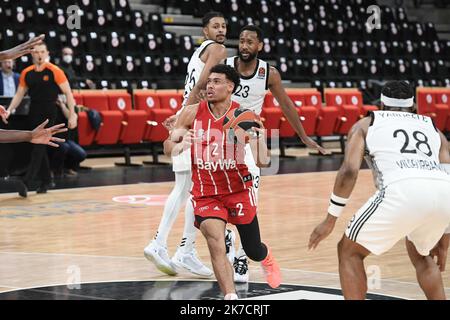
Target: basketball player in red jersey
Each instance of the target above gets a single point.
(222, 185)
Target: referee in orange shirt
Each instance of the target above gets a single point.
(43, 81)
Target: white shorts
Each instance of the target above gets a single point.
(182, 162)
(416, 208)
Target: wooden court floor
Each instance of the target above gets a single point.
(98, 235)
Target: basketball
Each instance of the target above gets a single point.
(239, 122)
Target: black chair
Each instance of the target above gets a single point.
(130, 67)
(151, 44)
(133, 42)
(234, 27)
(94, 44)
(154, 23)
(267, 51)
(110, 69)
(284, 69)
(74, 40)
(202, 8)
(167, 67)
(122, 5)
(149, 67)
(121, 20)
(169, 45)
(187, 7)
(282, 47)
(301, 71)
(114, 43)
(187, 45)
(137, 20)
(265, 24)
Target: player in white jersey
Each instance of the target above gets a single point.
(407, 155)
(210, 53)
(257, 76)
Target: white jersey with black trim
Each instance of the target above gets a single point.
(252, 89)
(194, 69)
(401, 145)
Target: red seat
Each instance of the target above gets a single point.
(271, 115)
(348, 114)
(78, 98)
(86, 133)
(111, 120)
(307, 114)
(354, 98)
(155, 131)
(443, 104)
(427, 105)
(170, 99)
(326, 116)
(134, 121)
(146, 99)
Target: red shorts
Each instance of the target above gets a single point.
(235, 208)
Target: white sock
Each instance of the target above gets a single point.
(231, 296)
(179, 194)
(190, 231)
(241, 251)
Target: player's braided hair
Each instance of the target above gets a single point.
(398, 90)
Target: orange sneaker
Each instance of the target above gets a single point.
(271, 270)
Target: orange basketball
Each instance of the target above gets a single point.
(240, 121)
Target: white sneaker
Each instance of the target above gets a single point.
(230, 239)
(190, 262)
(158, 254)
(240, 266)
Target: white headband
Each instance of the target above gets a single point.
(399, 103)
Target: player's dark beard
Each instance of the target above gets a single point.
(251, 56)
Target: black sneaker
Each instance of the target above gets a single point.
(43, 188)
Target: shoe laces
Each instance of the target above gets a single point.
(240, 265)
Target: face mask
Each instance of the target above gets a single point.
(67, 59)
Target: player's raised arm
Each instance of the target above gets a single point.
(289, 110)
(182, 136)
(345, 181)
(214, 54)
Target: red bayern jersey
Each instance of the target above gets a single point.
(218, 166)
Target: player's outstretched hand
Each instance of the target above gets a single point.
(312, 144)
(23, 48)
(42, 135)
(322, 231)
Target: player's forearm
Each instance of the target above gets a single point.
(15, 101)
(261, 153)
(71, 104)
(292, 117)
(345, 181)
(194, 95)
(12, 136)
(172, 149)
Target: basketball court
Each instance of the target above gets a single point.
(87, 243)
